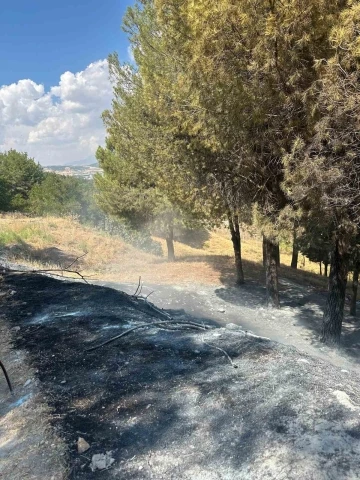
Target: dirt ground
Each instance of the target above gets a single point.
(29, 447)
(204, 257)
(171, 404)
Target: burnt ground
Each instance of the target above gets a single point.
(167, 404)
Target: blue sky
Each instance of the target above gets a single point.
(53, 77)
(41, 39)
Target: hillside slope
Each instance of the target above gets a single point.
(203, 257)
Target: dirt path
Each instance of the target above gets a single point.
(297, 323)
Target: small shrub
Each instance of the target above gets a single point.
(137, 238)
(8, 237)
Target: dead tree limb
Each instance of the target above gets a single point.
(223, 351)
(6, 376)
(152, 306)
(149, 325)
(52, 272)
(76, 259)
(137, 290)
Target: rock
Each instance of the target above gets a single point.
(232, 326)
(63, 381)
(27, 382)
(344, 399)
(221, 310)
(101, 461)
(82, 445)
(15, 329)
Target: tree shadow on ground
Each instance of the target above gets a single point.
(254, 271)
(166, 404)
(303, 292)
(47, 256)
(193, 238)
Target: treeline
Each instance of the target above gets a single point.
(245, 111)
(25, 187)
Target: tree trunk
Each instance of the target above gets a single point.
(170, 244)
(354, 291)
(320, 268)
(236, 241)
(264, 252)
(326, 269)
(295, 253)
(271, 269)
(334, 309)
(277, 255)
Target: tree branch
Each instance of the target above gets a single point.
(148, 325)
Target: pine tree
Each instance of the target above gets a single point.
(141, 183)
(242, 70)
(323, 169)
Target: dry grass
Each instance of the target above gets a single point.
(208, 259)
(29, 448)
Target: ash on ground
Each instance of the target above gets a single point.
(170, 404)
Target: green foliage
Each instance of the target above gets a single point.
(138, 238)
(57, 195)
(18, 175)
(5, 198)
(322, 169)
(235, 90)
(316, 242)
(8, 236)
(60, 195)
(141, 184)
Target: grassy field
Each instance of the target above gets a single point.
(206, 257)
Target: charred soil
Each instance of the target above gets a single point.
(169, 404)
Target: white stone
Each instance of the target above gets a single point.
(101, 461)
(82, 445)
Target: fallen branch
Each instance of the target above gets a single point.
(136, 291)
(137, 296)
(51, 271)
(149, 325)
(76, 259)
(223, 351)
(6, 376)
(152, 306)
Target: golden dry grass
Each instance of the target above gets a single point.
(50, 241)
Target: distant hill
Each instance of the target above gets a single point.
(85, 162)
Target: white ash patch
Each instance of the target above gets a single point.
(344, 400)
(52, 316)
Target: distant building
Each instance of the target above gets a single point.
(86, 172)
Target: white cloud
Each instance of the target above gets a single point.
(59, 126)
